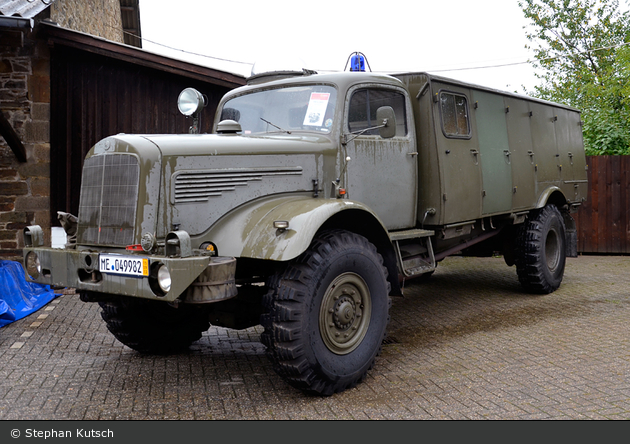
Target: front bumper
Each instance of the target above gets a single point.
(194, 279)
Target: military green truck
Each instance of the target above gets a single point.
(312, 202)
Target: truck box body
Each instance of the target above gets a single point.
(493, 152)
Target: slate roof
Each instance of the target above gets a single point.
(26, 9)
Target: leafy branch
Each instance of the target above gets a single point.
(581, 51)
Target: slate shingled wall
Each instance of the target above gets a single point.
(101, 18)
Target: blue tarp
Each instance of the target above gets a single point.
(19, 298)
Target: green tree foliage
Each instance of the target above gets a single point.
(585, 63)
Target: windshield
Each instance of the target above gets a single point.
(307, 107)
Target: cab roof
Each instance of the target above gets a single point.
(341, 79)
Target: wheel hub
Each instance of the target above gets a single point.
(345, 313)
(552, 250)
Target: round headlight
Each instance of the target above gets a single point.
(164, 278)
(190, 101)
(33, 267)
(147, 242)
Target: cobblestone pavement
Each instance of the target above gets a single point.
(468, 344)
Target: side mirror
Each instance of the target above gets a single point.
(387, 118)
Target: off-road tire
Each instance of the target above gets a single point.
(541, 251)
(338, 287)
(154, 327)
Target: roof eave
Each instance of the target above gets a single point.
(97, 45)
(16, 22)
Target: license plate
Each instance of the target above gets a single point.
(127, 265)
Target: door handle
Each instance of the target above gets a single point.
(475, 153)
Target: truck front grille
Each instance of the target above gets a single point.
(109, 196)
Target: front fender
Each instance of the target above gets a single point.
(249, 231)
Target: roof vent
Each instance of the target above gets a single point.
(278, 67)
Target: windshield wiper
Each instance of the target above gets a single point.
(275, 126)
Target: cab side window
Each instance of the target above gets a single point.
(454, 112)
(364, 103)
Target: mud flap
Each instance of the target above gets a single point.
(571, 243)
(570, 233)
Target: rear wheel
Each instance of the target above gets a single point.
(327, 313)
(153, 326)
(541, 251)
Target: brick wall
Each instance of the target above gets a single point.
(25, 103)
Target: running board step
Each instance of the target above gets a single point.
(417, 264)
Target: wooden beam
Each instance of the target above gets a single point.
(12, 139)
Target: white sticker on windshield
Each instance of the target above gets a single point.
(316, 109)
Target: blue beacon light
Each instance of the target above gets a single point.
(357, 63)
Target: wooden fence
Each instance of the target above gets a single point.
(603, 221)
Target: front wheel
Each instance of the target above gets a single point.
(327, 314)
(154, 327)
(541, 251)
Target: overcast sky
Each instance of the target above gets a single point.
(440, 37)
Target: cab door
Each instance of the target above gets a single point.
(381, 173)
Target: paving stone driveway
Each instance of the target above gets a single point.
(468, 344)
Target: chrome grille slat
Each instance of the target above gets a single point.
(192, 185)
